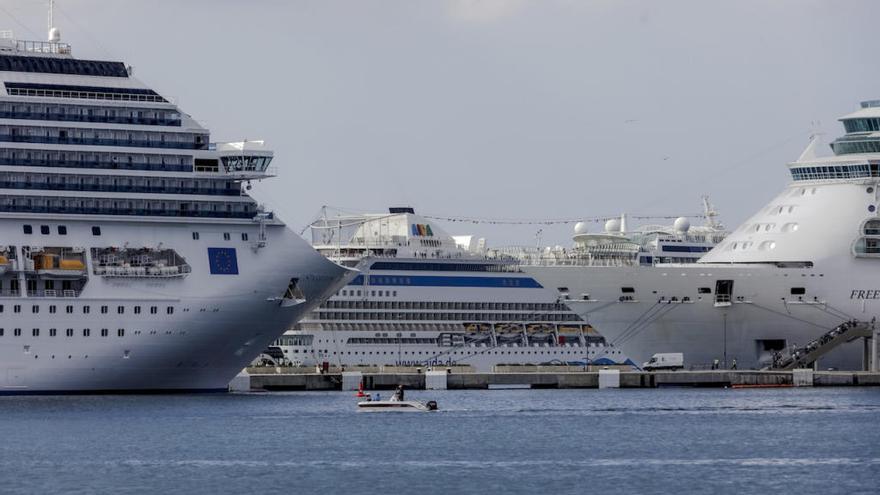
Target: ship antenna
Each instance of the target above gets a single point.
(709, 213)
(54, 32)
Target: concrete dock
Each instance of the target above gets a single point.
(275, 379)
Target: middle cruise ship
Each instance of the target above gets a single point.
(425, 299)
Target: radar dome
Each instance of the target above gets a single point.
(681, 225)
(580, 228)
(612, 226)
(54, 35)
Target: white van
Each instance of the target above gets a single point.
(665, 361)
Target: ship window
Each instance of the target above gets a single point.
(798, 291)
(871, 208)
(120, 332)
(96, 230)
(16, 308)
(627, 290)
(153, 310)
(69, 332)
(169, 310)
(35, 309)
(195, 236)
(86, 310)
(53, 332)
(17, 332)
(103, 309)
(44, 229)
(28, 229)
(104, 332)
(137, 310)
(704, 290)
(69, 309)
(62, 230)
(86, 332)
(120, 309)
(226, 236)
(52, 308)
(36, 332)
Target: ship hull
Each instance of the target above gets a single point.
(130, 334)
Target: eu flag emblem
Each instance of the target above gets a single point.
(222, 261)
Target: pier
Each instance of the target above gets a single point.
(272, 380)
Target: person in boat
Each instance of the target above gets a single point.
(398, 393)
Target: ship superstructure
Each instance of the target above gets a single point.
(131, 257)
(618, 245)
(801, 266)
(423, 299)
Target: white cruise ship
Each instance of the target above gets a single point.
(423, 299)
(131, 258)
(801, 266)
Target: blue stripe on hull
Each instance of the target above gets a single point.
(434, 281)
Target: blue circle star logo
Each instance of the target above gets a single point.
(222, 261)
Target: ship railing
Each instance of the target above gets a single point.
(53, 293)
(48, 47)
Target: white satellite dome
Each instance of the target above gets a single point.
(580, 228)
(612, 226)
(681, 225)
(54, 35)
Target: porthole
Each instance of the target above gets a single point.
(870, 190)
(872, 208)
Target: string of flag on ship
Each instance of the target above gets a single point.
(558, 221)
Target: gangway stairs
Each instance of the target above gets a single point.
(805, 356)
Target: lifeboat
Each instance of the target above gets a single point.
(54, 266)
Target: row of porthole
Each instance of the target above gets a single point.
(86, 309)
(745, 245)
(53, 332)
(768, 227)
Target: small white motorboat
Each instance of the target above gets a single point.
(397, 405)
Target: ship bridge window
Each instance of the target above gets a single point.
(44, 229)
(96, 230)
(28, 229)
(206, 165)
(62, 230)
(704, 290)
(628, 290)
(798, 291)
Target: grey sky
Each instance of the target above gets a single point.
(489, 108)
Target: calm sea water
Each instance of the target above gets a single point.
(513, 441)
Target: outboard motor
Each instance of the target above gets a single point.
(431, 405)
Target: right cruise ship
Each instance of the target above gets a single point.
(802, 265)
